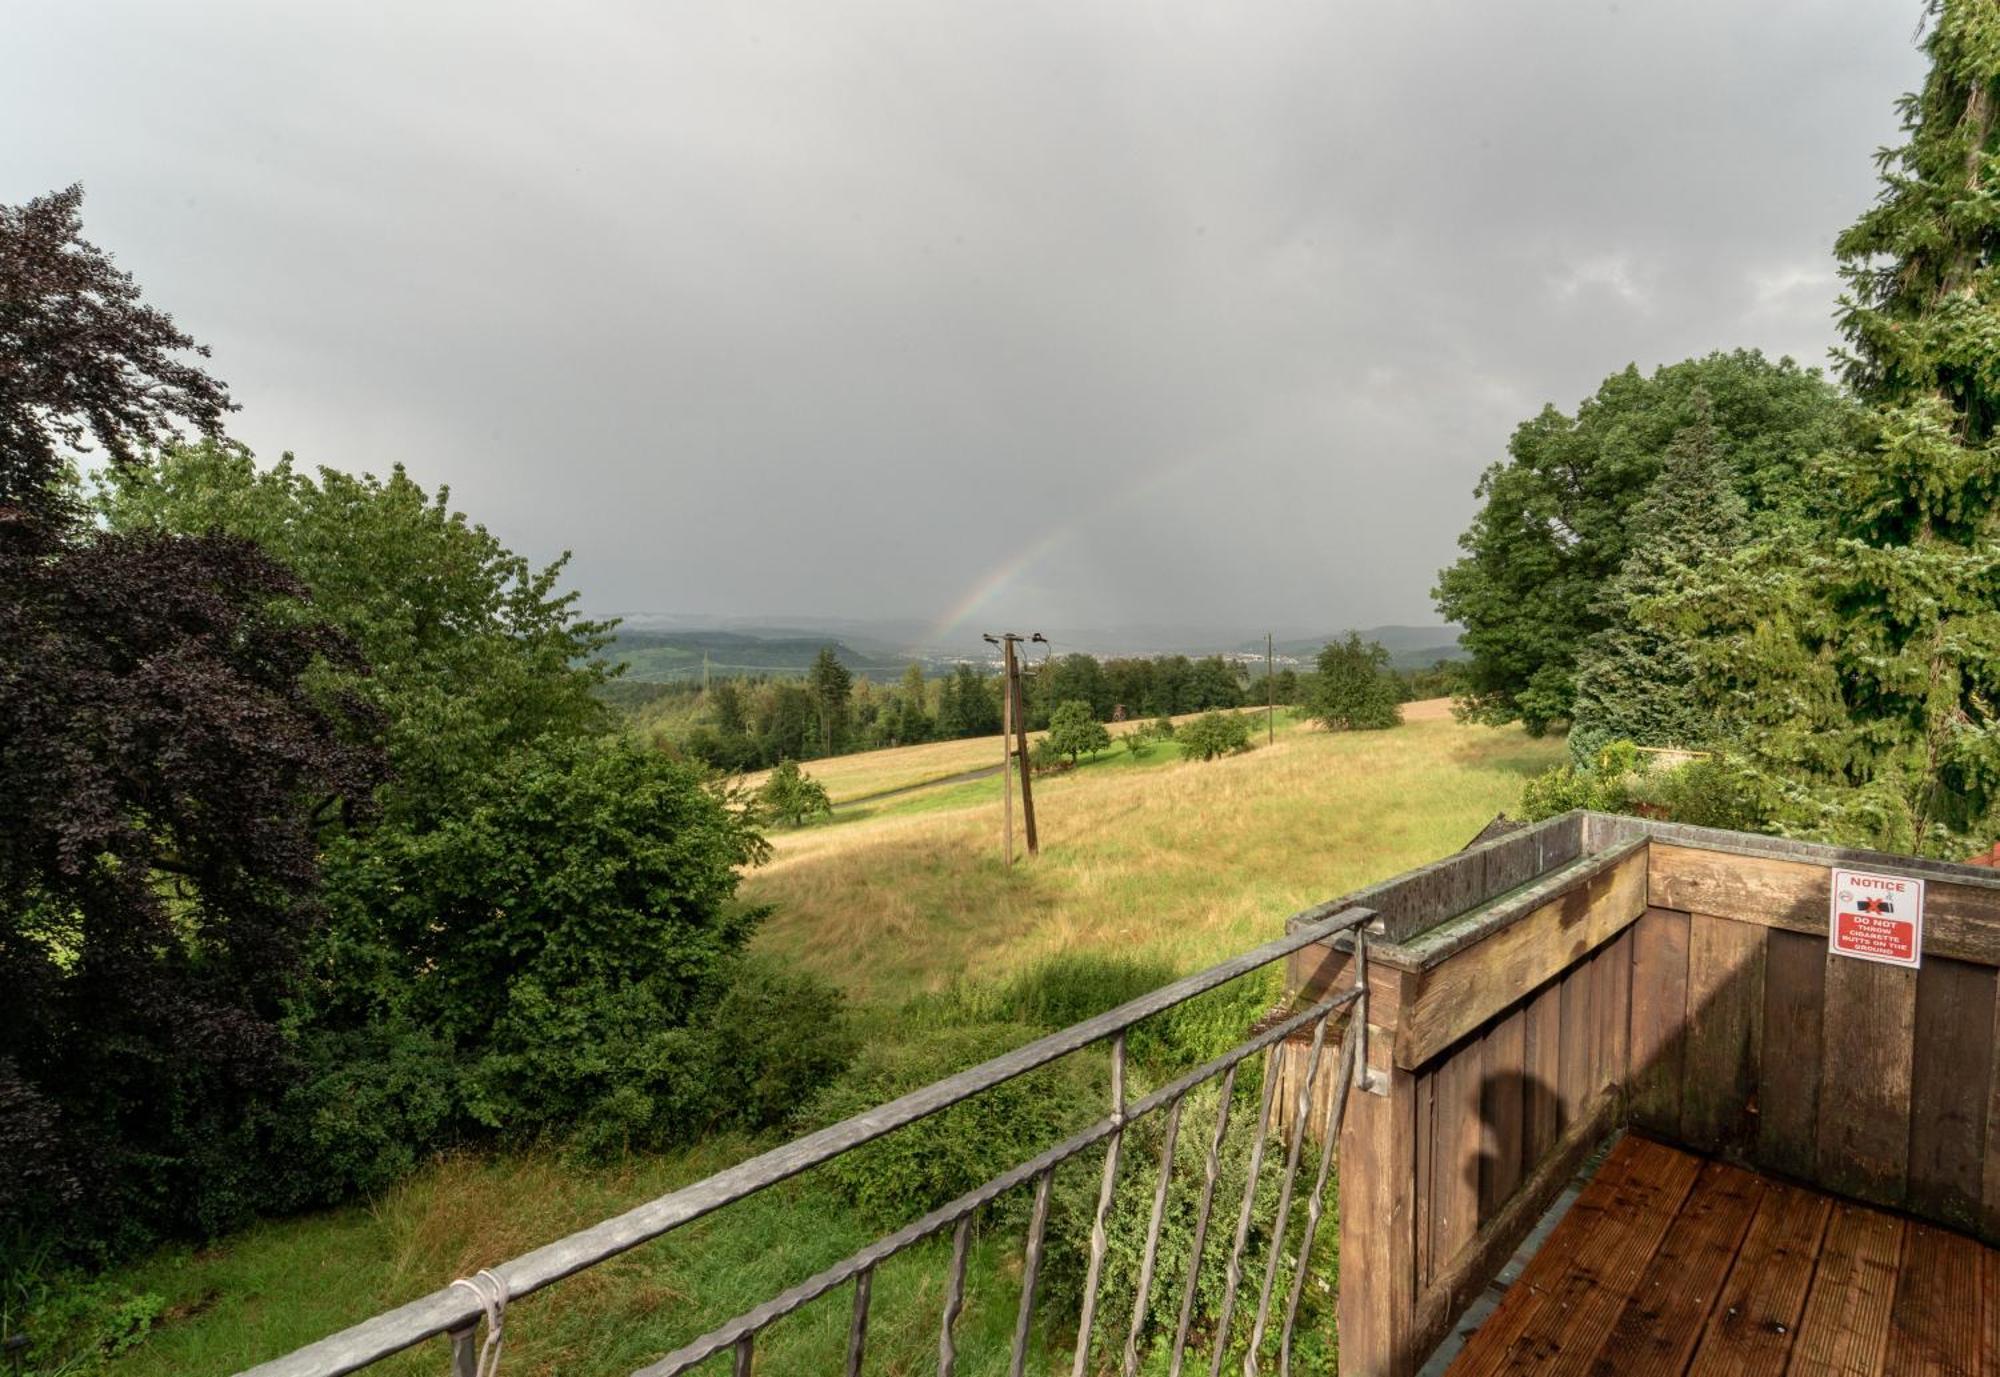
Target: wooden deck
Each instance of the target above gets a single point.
(1672, 1263)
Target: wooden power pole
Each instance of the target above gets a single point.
(1270, 693)
(1014, 744)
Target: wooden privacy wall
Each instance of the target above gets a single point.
(1749, 1039)
(1503, 1040)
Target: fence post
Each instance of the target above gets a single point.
(1378, 1174)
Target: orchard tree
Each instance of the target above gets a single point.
(1074, 730)
(1353, 689)
(1869, 669)
(792, 796)
(1638, 679)
(1555, 521)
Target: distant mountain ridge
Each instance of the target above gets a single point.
(656, 650)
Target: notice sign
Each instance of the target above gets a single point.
(1877, 917)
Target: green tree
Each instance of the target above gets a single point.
(726, 701)
(1554, 524)
(1638, 680)
(832, 688)
(792, 796)
(1214, 734)
(913, 707)
(1867, 663)
(1353, 689)
(1074, 730)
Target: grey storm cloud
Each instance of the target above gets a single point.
(1070, 313)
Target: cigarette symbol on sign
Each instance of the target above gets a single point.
(1875, 906)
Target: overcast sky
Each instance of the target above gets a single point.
(1049, 312)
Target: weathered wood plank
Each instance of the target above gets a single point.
(1788, 1097)
(1845, 1328)
(1660, 1323)
(1503, 1106)
(1990, 1211)
(1542, 1118)
(1866, 1067)
(1424, 1185)
(1456, 1154)
(1440, 1305)
(1377, 1239)
(1574, 1040)
(1961, 921)
(1756, 1318)
(1934, 1323)
(1469, 987)
(1659, 1018)
(1950, 1091)
(1618, 1044)
(1989, 1297)
(1725, 1032)
(1555, 1323)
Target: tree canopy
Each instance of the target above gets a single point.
(1555, 521)
(1352, 689)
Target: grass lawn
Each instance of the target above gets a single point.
(1169, 863)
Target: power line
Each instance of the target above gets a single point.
(1014, 741)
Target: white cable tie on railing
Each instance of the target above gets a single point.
(491, 1290)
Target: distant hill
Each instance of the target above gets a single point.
(663, 656)
(1409, 647)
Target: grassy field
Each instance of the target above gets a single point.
(906, 905)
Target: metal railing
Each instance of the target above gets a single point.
(457, 1310)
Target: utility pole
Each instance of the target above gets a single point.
(1014, 742)
(1270, 694)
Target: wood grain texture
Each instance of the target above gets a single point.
(1845, 1328)
(1542, 1121)
(1377, 1238)
(1661, 1322)
(1866, 1067)
(1934, 1325)
(1756, 1318)
(1788, 1096)
(1725, 1032)
(1960, 921)
(1950, 1091)
(1990, 1209)
(1466, 989)
(1456, 1152)
(1575, 1019)
(1659, 1018)
(1503, 1105)
(1556, 1324)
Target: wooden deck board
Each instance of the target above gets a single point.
(1669, 1264)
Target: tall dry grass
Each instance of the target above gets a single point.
(1187, 863)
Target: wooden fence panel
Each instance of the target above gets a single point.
(1794, 1016)
(1659, 1018)
(1866, 1064)
(1950, 1091)
(1725, 1000)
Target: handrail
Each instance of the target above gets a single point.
(454, 1310)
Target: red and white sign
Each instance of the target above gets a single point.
(1877, 917)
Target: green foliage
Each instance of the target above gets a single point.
(1554, 526)
(939, 1158)
(1865, 664)
(1215, 734)
(792, 796)
(1074, 731)
(1637, 679)
(1352, 689)
(830, 685)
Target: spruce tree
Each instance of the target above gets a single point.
(1637, 679)
(1869, 667)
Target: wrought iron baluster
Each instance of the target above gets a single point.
(1301, 1107)
(1099, 1241)
(1211, 1170)
(1235, 1277)
(1316, 1203)
(1031, 1269)
(954, 1300)
(857, 1329)
(1145, 1290)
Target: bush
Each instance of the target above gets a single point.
(1215, 734)
(935, 1160)
(793, 797)
(1045, 759)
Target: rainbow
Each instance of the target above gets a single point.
(994, 582)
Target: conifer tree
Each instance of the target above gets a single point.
(1869, 668)
(1637, 679)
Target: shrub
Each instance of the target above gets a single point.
(792, 796)
(1215, 734)
(1045, 759)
